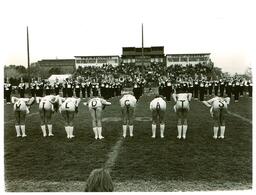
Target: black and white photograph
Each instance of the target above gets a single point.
(127, 96)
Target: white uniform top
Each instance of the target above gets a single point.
(47, 102)
(218, 102)
(20, 104)
(69, 104)
(182, 101)
(97, 102)
(128, 100)
(182, 96)
(157, 103)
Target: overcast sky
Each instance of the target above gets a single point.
(64, 29)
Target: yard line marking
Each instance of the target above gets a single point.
(12, 121)
(112, 156)
(241, 117)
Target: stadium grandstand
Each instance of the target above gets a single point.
(66, 65)
(98, 61)
(186, 59)
(146, 56)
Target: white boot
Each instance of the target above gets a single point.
(99, 132)
(27, 110)
(179, 127)
(124, 130)
(17, 127)
(153, 130)
(71, 129)
(43, 130)
(67, 131)
(162, 126)
(131, 130)
(215, 132)
(50, 130)
(23, 131)
(95, 132)
(184, 131)
(222, 132)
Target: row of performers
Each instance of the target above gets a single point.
(201, 88)
(86, 89)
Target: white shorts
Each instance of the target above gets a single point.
(128, 100)
(181, 105)
(46, 105)
(157, 103)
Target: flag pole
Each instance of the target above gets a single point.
(29, 79)
(142, 48)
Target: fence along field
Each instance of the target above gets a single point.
(137, 164)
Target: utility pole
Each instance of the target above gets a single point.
(142, 48)
(29, 79)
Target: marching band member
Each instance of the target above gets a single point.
(103, 89)
(95, 88)
(236, 89)
(33, 88)
(70, 88)
(96, 105)
(39, 90)
(201, 90)
(136, 90)
(249, 83)
(128, 105)
(47, 88)
(21, 109)
(57, 86)
(216, 88)
(7, 91)
(181, 108)
(64, 88)
(83, 88)
(88, 88)
(22, 88)
(222, 87)
(168, 90)
(229, 89)
(210, 86)
(77, 89)
(218, 111)
(68, 108)
(242, 84)
(47, 106)
(158, 107)
(196, 89)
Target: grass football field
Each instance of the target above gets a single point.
(199, 163)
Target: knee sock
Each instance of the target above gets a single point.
(43, 130)
(179, 127)
(71, 129)
(153, 130)
(50, 130)
(95, 132)
(215, 132)
(124, 130)
(23, 130)
(162, 126)
(184, 129)
(17, 127)
(99, 132)
(222, 131)
(131, 130)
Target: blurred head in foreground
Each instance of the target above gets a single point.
(99, 181)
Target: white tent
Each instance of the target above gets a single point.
(60, 77)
